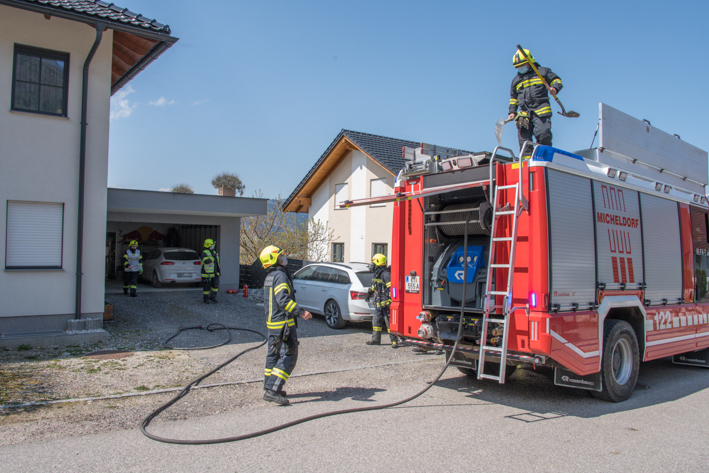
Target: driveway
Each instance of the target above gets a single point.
(460, 424)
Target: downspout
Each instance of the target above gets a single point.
(100, 27)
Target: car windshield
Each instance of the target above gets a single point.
(365, 277)
(181, 255)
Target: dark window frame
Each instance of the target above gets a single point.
(374, 249)
(41, 54)
(342, 260)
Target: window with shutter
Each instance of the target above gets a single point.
(34, 236)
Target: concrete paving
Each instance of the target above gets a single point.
(460, 424)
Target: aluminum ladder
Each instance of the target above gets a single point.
(490, 308)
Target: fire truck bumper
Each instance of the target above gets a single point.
(537, 360)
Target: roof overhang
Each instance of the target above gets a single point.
(154, 202)
(134, 48)
(302, 199)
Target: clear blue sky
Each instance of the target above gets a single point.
(261, 88)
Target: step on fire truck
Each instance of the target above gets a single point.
(586, 262)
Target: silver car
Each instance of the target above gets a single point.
(335, 290)
(172, 265)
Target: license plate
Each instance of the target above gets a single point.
(184, 275)
(412, 284)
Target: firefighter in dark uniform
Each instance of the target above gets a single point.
(381, 290)
(531, 97)
(210, 272)
(132, 267)
(282, 313)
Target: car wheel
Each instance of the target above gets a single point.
(333, 315)
(620, 363)
(156, 281)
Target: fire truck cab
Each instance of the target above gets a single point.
(588, 262)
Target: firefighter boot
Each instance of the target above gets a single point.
(213, 297)
(125, 291)
(206, 299)
(273, 396)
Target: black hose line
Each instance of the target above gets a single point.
(144, 424)
(211, 328)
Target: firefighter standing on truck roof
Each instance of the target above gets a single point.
(210, 272)
(132, 267)
(531, 97)
(381, 290)
(282, 313)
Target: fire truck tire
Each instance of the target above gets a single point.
(333, 315)
(620, 363)
(490, 368)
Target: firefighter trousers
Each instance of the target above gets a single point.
(539, 127)
(130, 281)
(210, 287)
(379, 321)
(282, 357)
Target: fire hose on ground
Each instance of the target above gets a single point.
(215, 327)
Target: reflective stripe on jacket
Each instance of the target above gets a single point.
(279, 299)
(210, 264)
(132, 262)
(381, 286)
(528, 93)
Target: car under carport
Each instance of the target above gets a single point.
(160, 219)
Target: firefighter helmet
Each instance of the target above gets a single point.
(269, 256)
(133, 243)
(208, 243)
(379, 259)
(518, 59)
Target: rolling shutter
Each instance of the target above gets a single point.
(618, 236)
(34, 235)
(572, 248)
(663, 254)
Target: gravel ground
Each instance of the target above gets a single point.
(333, 365)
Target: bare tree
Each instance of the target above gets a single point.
(301, 239)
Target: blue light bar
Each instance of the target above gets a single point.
(546, 153)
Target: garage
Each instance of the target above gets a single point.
(171, 220)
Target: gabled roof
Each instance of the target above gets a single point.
(386, 151)
(137, 40)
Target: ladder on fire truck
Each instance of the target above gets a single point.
(490, 314)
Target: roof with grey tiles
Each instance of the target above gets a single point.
(99, 10)
(386, 151)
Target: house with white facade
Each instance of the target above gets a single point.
(355, 166)
(60, 62)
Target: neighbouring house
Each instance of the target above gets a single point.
(60, 62)
(356, 165)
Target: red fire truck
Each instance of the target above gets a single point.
(586, 262)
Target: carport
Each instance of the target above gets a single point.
(165, 219)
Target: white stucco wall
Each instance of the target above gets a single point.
(39, 162)
(356, 227)
(319, 210)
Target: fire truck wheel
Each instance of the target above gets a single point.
(621, 362)
(333, 315)
(490, 368)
